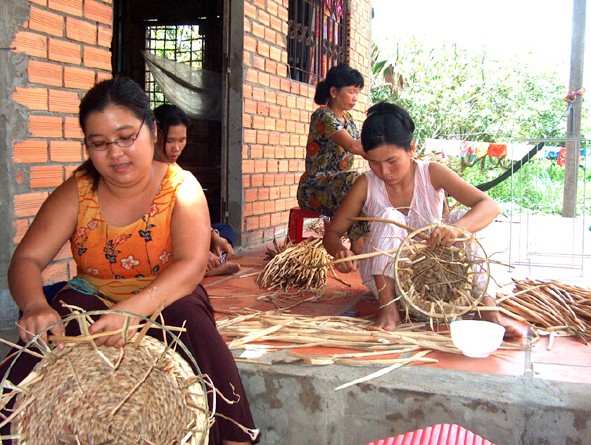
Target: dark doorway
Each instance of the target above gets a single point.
(192, 33)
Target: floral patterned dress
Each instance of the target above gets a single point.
(132, 255)
(328, 176)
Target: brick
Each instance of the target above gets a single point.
(45, 73)
(65, 151)
(105, 36)
(251, 76)
(264, 79)
(277, 25)
(20, 227)
(258, 30)
(250, 106)
(272, 8)
(100, 12)
(45, 126)
(30, 151)
(258, 62)
(250, 44)
(30, 43)
(71, 7)
(258, 122)
(72, 128)
(65, 252)
(250, 136)
(103, 75)
(270, 35)
(250, 10)
(39, 2)
(97, 58)
(260, 166)
(70, 170)
(46, 176)
(247, 166)
(79, 78)
(252, 223)
(61, 101)
(256, 180)
(46, 22)
(264, 17)
(263, 49)
(250, 195)
(81, 31)
(262, 138)
(28, 204)
(32, 98)
(276, 53)
(268, 181)
(63, 51)
(55, 272)
(256, 151)
(258, 208)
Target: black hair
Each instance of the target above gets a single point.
(167, 116)
(387, 124)
(338, 76)
(120, 91)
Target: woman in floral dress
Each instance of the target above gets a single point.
(333, 142)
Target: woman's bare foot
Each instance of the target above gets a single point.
(227, 268)
(388, 318)
(495, 317)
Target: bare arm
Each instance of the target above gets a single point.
(54, 224)
(345, 140)
(482, 209)
(341, 222)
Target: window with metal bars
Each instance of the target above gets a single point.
(181, 43)
(317, 37)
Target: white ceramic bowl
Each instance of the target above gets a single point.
(476, 338)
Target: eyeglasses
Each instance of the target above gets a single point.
(121, 142)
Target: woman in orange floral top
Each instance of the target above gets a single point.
(333, 140)
(139, 231)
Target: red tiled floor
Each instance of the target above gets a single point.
(568, 360)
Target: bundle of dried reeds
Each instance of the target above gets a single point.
(550, 306)
(297, 331)
(303, 265)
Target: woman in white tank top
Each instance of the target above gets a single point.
(398, 187)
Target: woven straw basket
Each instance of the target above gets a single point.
(441, 283)
(132, 395)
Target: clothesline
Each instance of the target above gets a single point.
(477, 149)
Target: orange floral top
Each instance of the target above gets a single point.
(121, 261)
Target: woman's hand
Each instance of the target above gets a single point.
(221, 245)
(123, 327)
(35, 320)
(345, 266)
(444, 235)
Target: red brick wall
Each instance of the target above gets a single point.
(68, 47)
(277, 112)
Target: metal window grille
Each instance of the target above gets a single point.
(181, 43)
(317, 37)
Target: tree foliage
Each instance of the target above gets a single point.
(453, 93)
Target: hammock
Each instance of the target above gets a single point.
(196, 91)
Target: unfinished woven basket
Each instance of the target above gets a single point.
(138, 395)
(442, 283)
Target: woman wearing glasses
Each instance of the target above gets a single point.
(139, 231)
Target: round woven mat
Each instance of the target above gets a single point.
(150, 396)
(441, 283)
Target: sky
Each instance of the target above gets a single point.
(541, 27)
